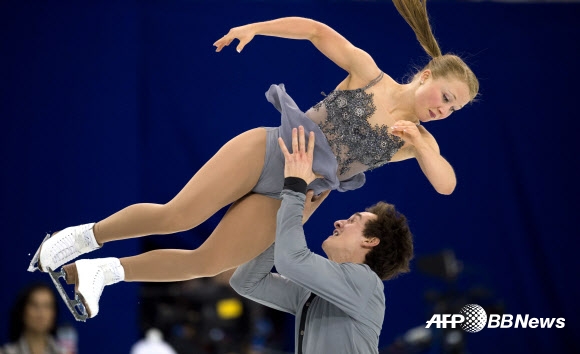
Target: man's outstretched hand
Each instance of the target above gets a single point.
(299, 161)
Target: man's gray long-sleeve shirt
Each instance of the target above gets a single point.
(347, 314)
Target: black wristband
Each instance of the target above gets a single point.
(295, 184)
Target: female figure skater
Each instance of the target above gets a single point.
(367, 121)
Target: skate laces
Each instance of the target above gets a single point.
(66, 249)
(75, 242)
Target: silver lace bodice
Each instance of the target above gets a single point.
(343, 117)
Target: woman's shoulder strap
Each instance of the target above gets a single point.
(374, 81)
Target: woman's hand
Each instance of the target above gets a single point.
(424, 148)
(244, 34)
(299, 162)
(408, 131)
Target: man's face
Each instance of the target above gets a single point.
(347, 236)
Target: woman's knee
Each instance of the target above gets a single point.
(172, 219)
(204, 264)
(211, 270)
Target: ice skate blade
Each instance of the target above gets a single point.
(76, 306)
(34, 262)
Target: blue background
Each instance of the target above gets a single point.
(104, 104)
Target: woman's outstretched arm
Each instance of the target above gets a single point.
(334, 46)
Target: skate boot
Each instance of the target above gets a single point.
(63, 247)
(90, 276)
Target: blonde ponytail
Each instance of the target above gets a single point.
(415, 13)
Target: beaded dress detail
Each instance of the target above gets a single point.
(343, 117)
(346, 144)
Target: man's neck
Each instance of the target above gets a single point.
(348, 257)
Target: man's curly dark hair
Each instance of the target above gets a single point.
(394, 252)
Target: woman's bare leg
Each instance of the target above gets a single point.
(247, 229)
(230, 174)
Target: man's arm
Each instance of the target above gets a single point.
(346, 285)
(255, 281)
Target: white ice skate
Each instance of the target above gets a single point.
(63, 247)
(92, 276)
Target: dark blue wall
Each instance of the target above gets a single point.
(105, 104)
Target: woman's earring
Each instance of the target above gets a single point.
(421, 82)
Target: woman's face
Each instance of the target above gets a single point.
(437, 98)
(39, 313)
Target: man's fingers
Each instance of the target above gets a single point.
(283, 148)
(302, 141)
(301, 138)
(311, 144)
(294, 140)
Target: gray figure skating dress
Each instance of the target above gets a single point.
(346, 144)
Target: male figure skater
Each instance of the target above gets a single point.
(338, 301)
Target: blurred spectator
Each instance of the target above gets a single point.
(153, 343)
(32, 325)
